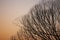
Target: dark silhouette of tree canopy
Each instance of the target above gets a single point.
(41, 23)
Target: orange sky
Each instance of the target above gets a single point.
(9, 10)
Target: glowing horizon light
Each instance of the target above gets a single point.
(9, 10)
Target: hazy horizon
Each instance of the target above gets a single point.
(9, 10)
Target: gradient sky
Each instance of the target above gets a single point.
(9, 10)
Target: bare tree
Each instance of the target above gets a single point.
(41, 23)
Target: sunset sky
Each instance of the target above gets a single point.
(9, 10)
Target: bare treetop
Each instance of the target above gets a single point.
(41, 22)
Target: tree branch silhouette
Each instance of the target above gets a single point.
(40, 23)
